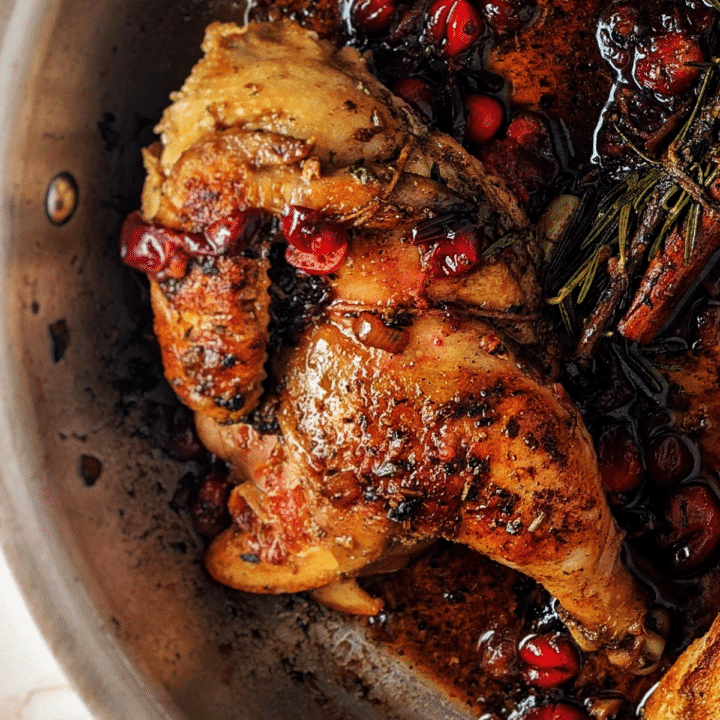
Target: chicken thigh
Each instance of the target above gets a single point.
(403, 414)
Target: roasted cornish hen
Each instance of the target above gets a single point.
(350, 291)
(390, 433)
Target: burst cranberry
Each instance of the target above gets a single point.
(373, 16)
(210, 513)
(618, 30)
(662, 65)
(456, 253)
(525, 157)
(299, 225)
(668, 459)
(437, 18)
(315, 264)
(691, 533)
(550, 660)
(418, 95)
(316, 246)
(164, 253)
(145, 247)
(238, 228)
(557, 711)
(485, 116)
(620, 463)
(454, 23)
(529, 130)
(309, 232)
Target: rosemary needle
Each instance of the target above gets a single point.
(630, 223)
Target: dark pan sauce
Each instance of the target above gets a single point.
(555, 98)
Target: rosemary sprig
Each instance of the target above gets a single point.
(611, 237)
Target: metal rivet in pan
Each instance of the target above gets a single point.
(61, 199)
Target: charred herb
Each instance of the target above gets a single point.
(619, 229)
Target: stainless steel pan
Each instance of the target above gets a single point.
(103, 546)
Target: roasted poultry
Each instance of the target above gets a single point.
(404, 410)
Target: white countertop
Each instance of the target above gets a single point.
(32, 686)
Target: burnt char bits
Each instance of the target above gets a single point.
(212, 327)
(296, 299)
(59, 338)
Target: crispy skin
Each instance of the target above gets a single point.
(453, 437)
(212, 327)
(450, 438)
(356, 153)
(691, 689)
(339, 141)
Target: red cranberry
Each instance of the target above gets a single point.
(437, 18)
(691, 534)
(457, 253)
(308, 231)
(525, 157)
(619, 461)
(185, 442)
(529, 130)
(557, 711)
(485, 116)
(210, 513)
(550, 660)
(228, 232)
(373, 16)
(464, 27)
(661, 66)
(455, 23)
(313, 264)
(418, 95)
(164, 253)
(316, 246)
(618, 30)
(668, 459)
(150, 248)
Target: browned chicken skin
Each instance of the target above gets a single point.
(390, 434)
(212, 327)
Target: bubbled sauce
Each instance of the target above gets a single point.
(566, 79)
(459, 617)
